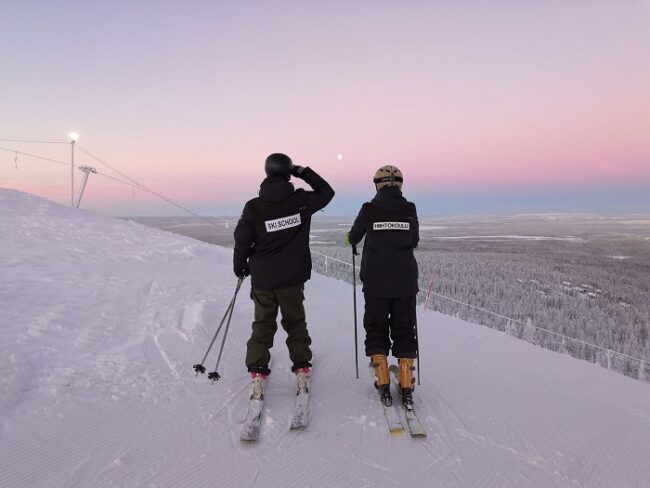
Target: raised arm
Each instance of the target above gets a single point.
(322, 192)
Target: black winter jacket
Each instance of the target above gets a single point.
(390, 224)
(272, 234)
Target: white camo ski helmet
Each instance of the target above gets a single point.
(388, 176)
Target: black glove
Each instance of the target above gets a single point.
(296, 170)
(242, 271)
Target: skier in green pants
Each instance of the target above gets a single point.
(272, 245)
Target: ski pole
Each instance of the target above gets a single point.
(199, 368)
(354, 295)
(214, 375)
(417, 349)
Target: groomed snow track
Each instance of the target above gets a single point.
(102, 319)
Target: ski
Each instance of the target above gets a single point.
(393, 420)
(415, 426)
(250, 431)
(300, 411)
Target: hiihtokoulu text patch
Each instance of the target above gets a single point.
(391, 226)
(283, 223)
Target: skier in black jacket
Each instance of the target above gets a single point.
(389, 274)
(272, 245)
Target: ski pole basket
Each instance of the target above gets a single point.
(227, 316)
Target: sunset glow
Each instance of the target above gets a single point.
(501, 99)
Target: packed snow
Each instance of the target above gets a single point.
(102, 319)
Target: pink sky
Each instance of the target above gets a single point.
(493, 96)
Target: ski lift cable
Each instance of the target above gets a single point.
(39, 141)
(131, 182)
(64, 163)
(149, 190)
(35, 156)
(42, 140)
(34, 138)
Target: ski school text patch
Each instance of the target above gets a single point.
(391, 226)
(283, 223)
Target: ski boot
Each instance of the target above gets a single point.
(406, 382)
(303, 377)
(382, 378)
(259, 380)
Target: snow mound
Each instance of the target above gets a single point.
(101, 320)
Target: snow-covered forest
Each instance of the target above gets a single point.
(595, 300)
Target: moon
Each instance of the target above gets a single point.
(339, 157)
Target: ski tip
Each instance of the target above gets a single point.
(416, 429)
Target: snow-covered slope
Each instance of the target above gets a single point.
(102, 319)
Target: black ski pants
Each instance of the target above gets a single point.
(290, 303)
(390, 319)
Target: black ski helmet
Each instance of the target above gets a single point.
(278, 164)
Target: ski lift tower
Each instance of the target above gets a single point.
(86, 170)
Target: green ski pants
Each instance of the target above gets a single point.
(290, 302)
